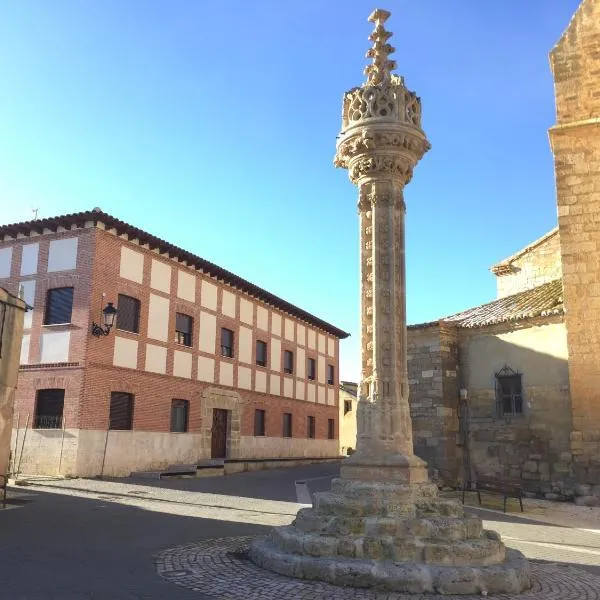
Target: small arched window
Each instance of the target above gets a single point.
(509, 392)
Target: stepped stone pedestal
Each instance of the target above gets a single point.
(382, 525)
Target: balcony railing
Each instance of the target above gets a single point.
(47, 422)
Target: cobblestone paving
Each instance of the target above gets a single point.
(220, 569)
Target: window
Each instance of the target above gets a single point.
(59, 306)
(121, 410)
(310, 427)
(287, 425)
(330, 374)
(261, 353)
(347, 406)
(49, 408)
(184, 325)
(226, 342)
(180, 410)
(128, 317)
(331, 429)
(509, 393)
(288, 362)
(311, 368)
(259, 422)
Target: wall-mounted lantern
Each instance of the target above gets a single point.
(108, 316)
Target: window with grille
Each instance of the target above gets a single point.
(347, 406)
(226, 342)
(121, 410)
(311, 368)
(261, 353)
(509, 392)
(310, 427)
(179, 415)
(128, 317)
(330, 429)
(49, 407)
(59, 306)
(287, 425)
(288, 362)
(259, 422)
(330, 374)
(184, 325)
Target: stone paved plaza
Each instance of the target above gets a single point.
(133, 539)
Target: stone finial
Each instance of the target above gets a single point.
(379, 71)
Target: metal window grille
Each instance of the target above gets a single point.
(128, 317)
(226, 342)
(310, 427)
(261, 353)
(509, 392)
(259, 422)
(288, 362)
(180, 410)
(121, 411)
(59, 306)
(287, 425)
(347, 406)
(49, 409)
(183, 329)
(330, 429)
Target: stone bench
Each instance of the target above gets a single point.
(507, 488)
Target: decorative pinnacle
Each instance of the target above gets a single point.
(379, 71)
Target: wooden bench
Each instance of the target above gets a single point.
(3, 482)
(507, 488)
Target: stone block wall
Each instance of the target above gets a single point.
(433, 380)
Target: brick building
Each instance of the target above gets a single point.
(199, 363)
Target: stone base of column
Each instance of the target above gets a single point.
(392, 467)
(392, 536)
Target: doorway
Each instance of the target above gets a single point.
(219, 433)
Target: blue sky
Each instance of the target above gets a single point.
(212, 124)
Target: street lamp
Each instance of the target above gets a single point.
(109, 312)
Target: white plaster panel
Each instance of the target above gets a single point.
(226, 373)
(300, 389)
(125, 353)
(160, 276)
(311, 339)
(208, 295)
(300, 363)
(29, 259)
(330, 346)
(274, 384)
(276, 324)
(206, 369)
(288, 387)
(260, 381)
(268, 447)
(301, 334)
(262, 318)
(208, 332)
(156, 358)
(132, 265)
(321, 369)
(27, 292)
(289, 329)
(5, 262)
(246, 311)
(244, 378)
(310, 392)
(158, 318)
(228, 304)
(186, 286)
(322, 343)
(55, 346)
(24, 360)
(62, 255)
(245, 345)
(321, 395)
(330, 396)
(275, 354)
(182, 364)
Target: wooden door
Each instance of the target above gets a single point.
(219, 433)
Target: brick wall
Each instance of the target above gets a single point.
(575, 143)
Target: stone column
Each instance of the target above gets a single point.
(380, 143)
